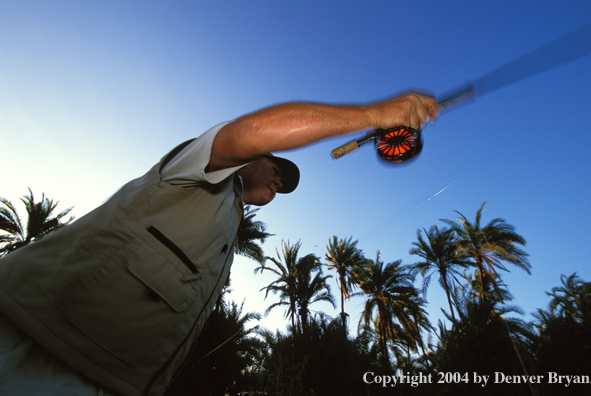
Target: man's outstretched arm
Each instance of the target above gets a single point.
(294, 125)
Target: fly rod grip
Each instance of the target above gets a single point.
(460, 96)
(345, 149)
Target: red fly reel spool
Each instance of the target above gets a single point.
(399, 144)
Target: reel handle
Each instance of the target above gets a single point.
(344, 149)
(354, 145)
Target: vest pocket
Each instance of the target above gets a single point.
(166, 280)
(116, 309)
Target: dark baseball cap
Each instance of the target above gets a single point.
(290, 173)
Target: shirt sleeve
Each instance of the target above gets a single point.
(187, 168)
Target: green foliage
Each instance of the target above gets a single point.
(344, 257)
(286, 278)
(224, 359)
(39, 222)
(489, 246)
(564, 342)
(249, 232)
(311, 287)
(440, 255)
(392, 304)
(320, 363)
(483, 340)
(299, 282)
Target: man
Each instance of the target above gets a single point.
(117, 298)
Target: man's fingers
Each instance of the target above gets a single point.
(433, 110)
(412, 110)
(428, 109)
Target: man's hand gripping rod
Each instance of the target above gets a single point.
(465, 94)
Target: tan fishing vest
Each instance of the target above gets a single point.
(122, 293)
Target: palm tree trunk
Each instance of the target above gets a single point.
(293, 326)
(384, 344)
(481, 270)
(420, 336)
(304, 319)
(383, 340)
(343, 305)
(447, 293)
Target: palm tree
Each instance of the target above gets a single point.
(280, 372)
(476, 287)
(483, 339)
(286, 267)
(440, 256)
(390, 304)
(489, 246)
(249, 231)
(311, 287)
(330, 365)
(344, 256)
(223, 358)
(39, 222)
(572, 299)
(286, 278)
(564, 342)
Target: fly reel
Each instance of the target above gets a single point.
(399, 144)
(394, 145)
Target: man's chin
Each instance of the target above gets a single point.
(259, 202)
(265, 202)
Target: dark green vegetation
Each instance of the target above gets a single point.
(39, 222)
(482, 336)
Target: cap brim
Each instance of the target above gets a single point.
(290, 174)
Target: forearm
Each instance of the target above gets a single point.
(294, 125)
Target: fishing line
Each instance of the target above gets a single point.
(436, 194)
(221, 345)
(500, 280)
(396, 213)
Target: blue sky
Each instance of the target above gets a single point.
(92, 94)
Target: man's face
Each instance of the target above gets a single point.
(261, 179)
